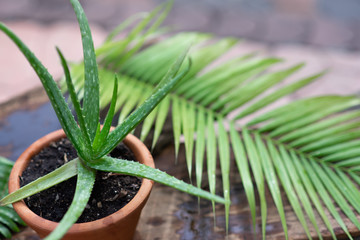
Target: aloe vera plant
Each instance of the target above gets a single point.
(309, 147)
(91, 142)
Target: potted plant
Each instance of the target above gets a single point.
(92, 143)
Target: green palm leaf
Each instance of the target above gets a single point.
(211, 154)
(294, 147)
(224, 151)
(9, 220)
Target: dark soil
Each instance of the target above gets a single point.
(110, 193)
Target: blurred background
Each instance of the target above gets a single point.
(323, 33)
(323, 23)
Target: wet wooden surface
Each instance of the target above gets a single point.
(171, 214)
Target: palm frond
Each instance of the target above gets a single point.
(309, 148)
(311, 162)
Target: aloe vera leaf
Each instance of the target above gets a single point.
(101, 137)
(84, 185)
(164, 87)
(110, 164)
(57, 100)
(59, 175)
(74, 98)
(91, 85)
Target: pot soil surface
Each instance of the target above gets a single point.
(110, 193)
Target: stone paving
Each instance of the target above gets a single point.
(323, 33)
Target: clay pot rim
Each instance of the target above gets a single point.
(141, 153)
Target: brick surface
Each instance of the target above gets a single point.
(297, 7)
(103, 13)
(339, 9)
(328, 33)
(191, 18)
(328, 23)
(10, 10)
(286, 28)
(237, 24)
(356, 39)
(303, 7)
(45, 11)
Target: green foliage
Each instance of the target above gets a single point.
(9, 220)
(91, 142)
(294, 147)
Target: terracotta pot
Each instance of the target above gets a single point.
(119, 225)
